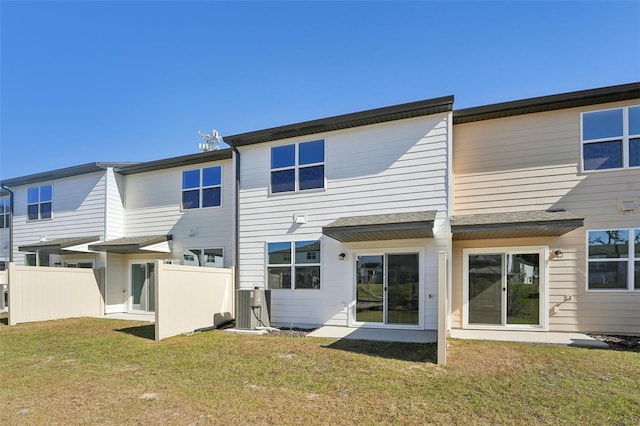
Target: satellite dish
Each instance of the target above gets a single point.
(211, 141)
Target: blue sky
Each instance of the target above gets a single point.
(135, 81)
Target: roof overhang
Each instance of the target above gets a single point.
(132, 245)
(398, 226)
(345, 121)
(514, 225)
(62, 245)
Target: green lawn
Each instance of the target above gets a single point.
(94, 371)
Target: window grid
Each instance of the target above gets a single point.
(630, 263)
(630, 136)
(293, 265)
(40, 202)
(202, 188)
(300, 169)
(5, 213)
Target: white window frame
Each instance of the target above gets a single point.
(5, 214)
(39, 203)
(201, 188)
(543, 251)
(292, 265)
(73, 263)
(201, 260)
(625, 140)
(297, 166)
(630, 260)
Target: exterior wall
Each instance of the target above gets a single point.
(41, 293)
(153, 207)
(393, 167)
(114, 208)
(532, 162)
(78, 211)
(189, 298)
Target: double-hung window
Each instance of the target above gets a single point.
(39, 202)
(614, 259)
(5, 213)
(611, 138)
(297, 167)
(293, 265)
(202, 187)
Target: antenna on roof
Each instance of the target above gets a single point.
(211, 141)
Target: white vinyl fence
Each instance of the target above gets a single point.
(191, 297)
(43, 293)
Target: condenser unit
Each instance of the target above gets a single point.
(253, 308)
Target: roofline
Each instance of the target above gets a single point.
(61, 173)
(344, 121)
(184, 160)
(600, 95)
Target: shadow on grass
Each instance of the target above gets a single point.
(143, 331)
(417, 352)
(4, 320)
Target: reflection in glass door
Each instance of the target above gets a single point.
(388, 289)
(143, 287)
(504, 289)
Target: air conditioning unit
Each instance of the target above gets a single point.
(252, 308)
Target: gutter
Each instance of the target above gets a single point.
(11, 196)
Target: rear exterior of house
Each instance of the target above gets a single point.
(343, 218)
(546, 216)
(58, 213)
(178, 210)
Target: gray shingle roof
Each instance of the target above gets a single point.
(59, 244)
(395, 226)
(128, 245)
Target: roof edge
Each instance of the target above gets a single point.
(344, 121)
(579, 98)
(62, 173)
(183, 160)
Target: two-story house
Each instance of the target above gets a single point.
(546, 216)
(343, 217)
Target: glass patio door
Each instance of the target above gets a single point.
(143, 287)
(388, 289)
(504, 289)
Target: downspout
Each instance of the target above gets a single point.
(236, 155)
(11, 195)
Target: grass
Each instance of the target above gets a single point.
(98, 371)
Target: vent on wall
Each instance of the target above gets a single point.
(627, 205)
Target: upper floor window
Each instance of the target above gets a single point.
(297, 167)
(202, 187)
(39, 202)
(293, 265)
(614, 259)
(5, 213)
(611, 138)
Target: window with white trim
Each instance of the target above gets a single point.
(293, 265)
(614, 259)
(611, 138)
(297, 167)
(5, 213)
(202, 187)
(207, 257)
(36, 259)
(39, 202)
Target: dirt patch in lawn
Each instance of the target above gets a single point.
(619, 342)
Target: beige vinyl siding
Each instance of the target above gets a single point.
(393, 167)
(532, 162)
(78, 211)
(153, 207)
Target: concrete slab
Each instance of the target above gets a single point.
(240, 331)
(145, 317)
(553, 338)
(377, 334)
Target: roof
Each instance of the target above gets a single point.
(395, 226)
(61, 244)
(600, 95)
(345, 121)
(185, 160)
(128, 245)
(61, 173)
(514, 225)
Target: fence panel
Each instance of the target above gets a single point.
(190, 297)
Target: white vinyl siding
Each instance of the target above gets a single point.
(393, 167)
(532, 162)
(153, 207)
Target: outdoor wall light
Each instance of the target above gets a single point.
(558, 253)
(341, 256)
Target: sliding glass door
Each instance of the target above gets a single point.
(143, 287)
(505, 288)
